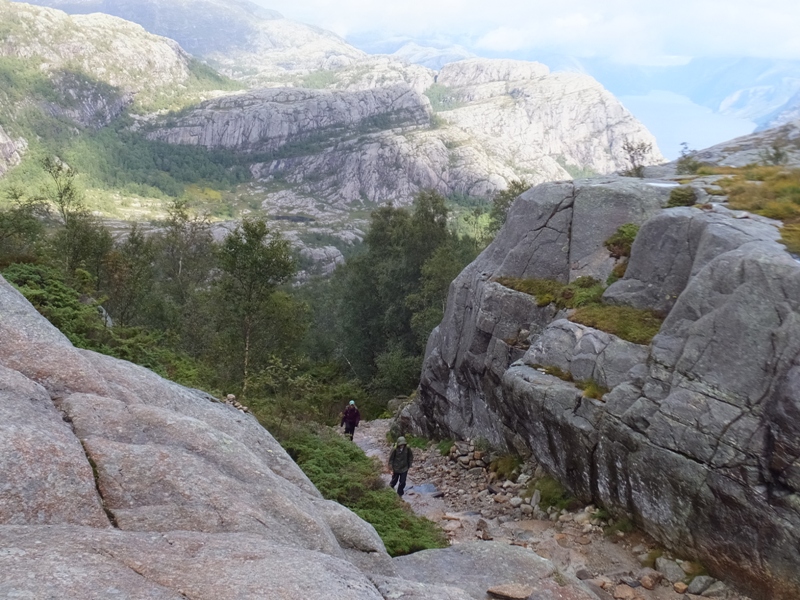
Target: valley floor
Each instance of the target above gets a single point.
(468, 507)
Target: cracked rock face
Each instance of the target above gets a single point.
(697, 440)
(10, 152)
(372, 135)
(116, 52)
(117, 483)
(114, 478)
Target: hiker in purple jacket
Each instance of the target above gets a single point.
(350, 419)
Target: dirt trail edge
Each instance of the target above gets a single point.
(469, 504)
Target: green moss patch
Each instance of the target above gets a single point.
(581, 292)
(682, 196)
(632, 324)
(619, 244)
(342, 472)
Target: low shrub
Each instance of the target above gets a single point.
(592, 389)
(553, 493)
(581, 292)
(682, 196)
(618, 272)
(632, 324)
(620, 243)
(558, 372)
(790, 236)
(444, 447)
(506, 466)
(624, 525)
(342, 472)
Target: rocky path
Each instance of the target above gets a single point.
(469, 503)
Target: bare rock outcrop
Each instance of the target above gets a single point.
(697, 438)
(10, 152)
(269, 119)
(81, 50)
(114, 477)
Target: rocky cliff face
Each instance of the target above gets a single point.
(241, 39)
(697, 439)
(118, 483)
(114, 478)
(104, 48)
(378, 142)
(10, 152)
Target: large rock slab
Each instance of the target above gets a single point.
(114, 481)
(478, 338)
(585, 353)
(478, 566)
(84, 562)
(35, 440)
(675, 245)
(697, 441)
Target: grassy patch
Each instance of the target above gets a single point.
(770, 191)
(444, 447)
(624, 525)
(318, 80)
(635, 325)
(682, 196)
(592, 389)
(506, 466)
(581, 292)
(342, 472)
(618, 272)
(552, 493)
(558, 372)
(620, 243)
(442, 98)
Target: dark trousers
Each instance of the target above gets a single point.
(400, 480)
(349, 428)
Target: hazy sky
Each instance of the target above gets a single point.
(630, 31)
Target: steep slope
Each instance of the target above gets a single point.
(496, 121)
(105, 49)
(239, 38)
(118, 483)
(697, 438)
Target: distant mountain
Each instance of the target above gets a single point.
(430, 57)
(239, 38)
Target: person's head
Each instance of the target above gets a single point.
(352, 402)
(401, 441)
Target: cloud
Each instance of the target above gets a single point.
(626, 31)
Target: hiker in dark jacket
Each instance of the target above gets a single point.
(400, 460)
(350, 419)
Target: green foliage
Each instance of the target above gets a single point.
(624, 525)
(506, 466)
(620, 243)
(416, 442)
(687, 163)
(552, 493)
(502, 201)
(342, 472)
(771, 191)
(442, 98)
(558, 372)
(388, 298)
(481, 444)
(444, 447)
(635, 325)
(618, 272)
(682, 196)
(21, 230)
(581, 292)
(636, 154)
(318, 79)
(592, 389)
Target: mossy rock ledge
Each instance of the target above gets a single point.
(697, 440)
